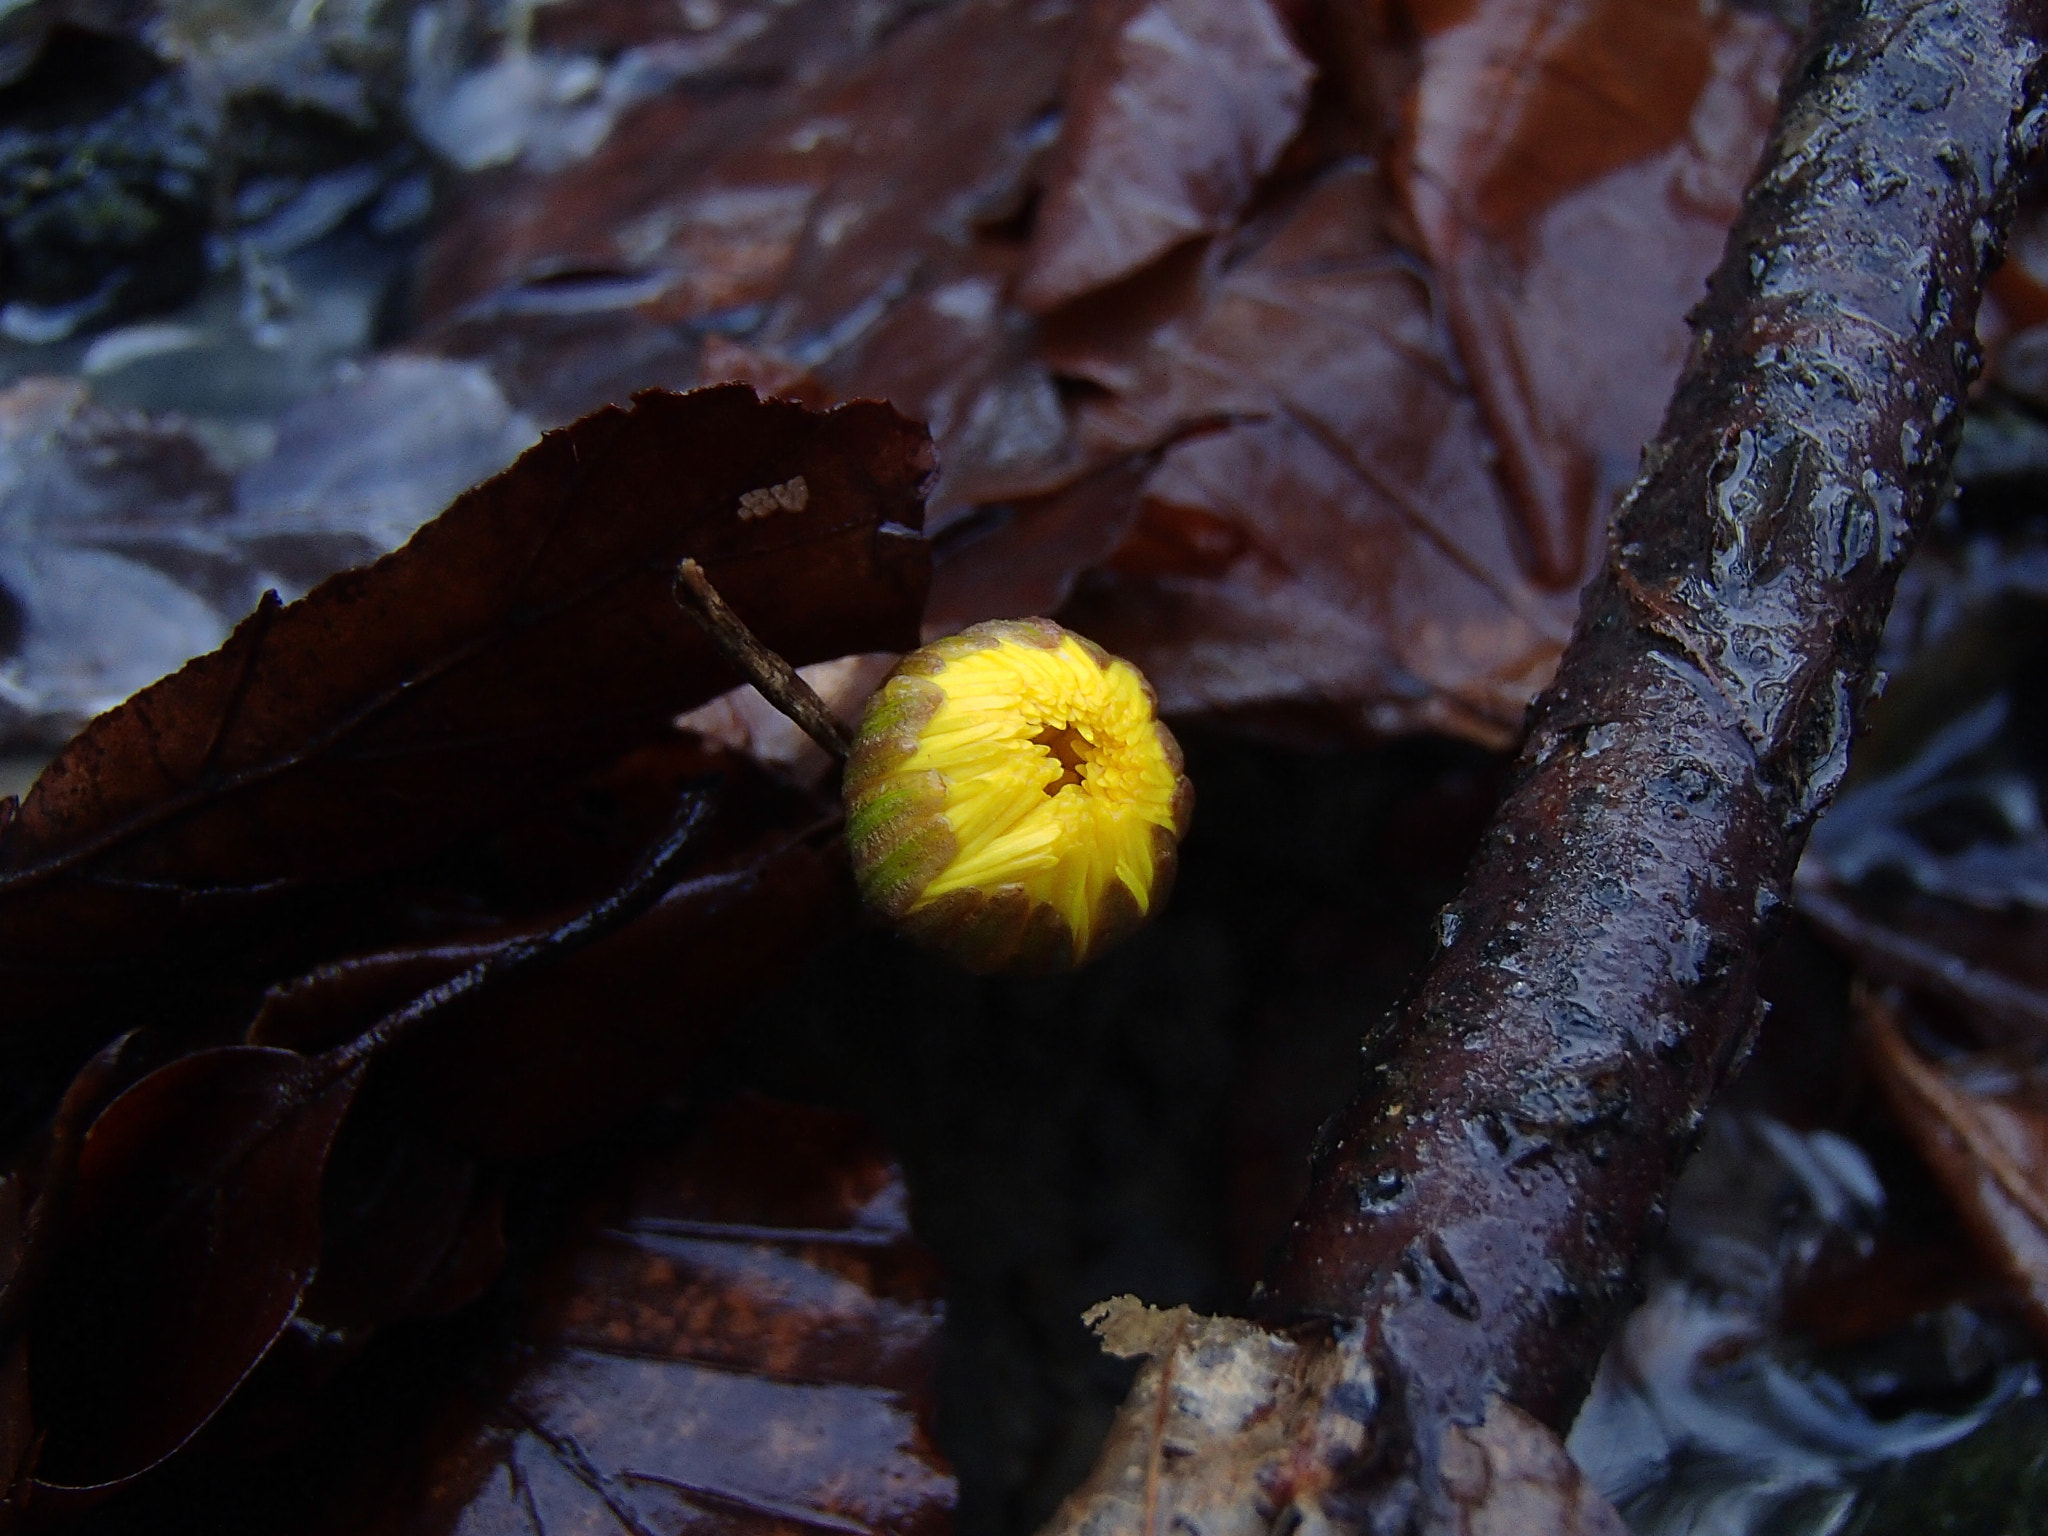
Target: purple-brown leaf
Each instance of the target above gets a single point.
(521, 640)
(1177, 109)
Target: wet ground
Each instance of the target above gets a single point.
(1818, 1352)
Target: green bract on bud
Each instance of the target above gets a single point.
(1013, 800)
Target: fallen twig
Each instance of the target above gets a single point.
(1477, 1212)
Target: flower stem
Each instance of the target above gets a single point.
(776, 679)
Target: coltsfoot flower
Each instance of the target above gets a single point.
(1013, 799)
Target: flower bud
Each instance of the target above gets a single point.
(1013, 800)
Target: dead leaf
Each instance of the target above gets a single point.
(409, 1213)
(731, 1328)
(1027, 558)
(820, 203)
(1573, 171)
(208, 1171)
(1989, 965)
(1982, 1126)
(744, 722)
(1352, 513)
(742, 1333)
(111, 568)
(521, 640)
(409, 1227)
(1334, 542)
(1177, 109)
(1229, 1429)
(539, 1069)
(196, 1225)
(849, 236)
(358, 468)
(1509, 1476)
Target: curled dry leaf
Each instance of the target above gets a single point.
(741, 1333)
(523, 639)
(1229, 1429)
(1177, 109)
(1509, 1476)
(1982, 1126)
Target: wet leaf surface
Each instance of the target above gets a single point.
(1933, 876)
(1572, 172)
(779, 194)
(1298, 352)
(517, 643)
(1176, 110)
(195, 1225)
(546, 1057)
(1366, 482)
(850, 235)
(357, 469)
(1333, 541)
(93, 508)
(128, 546)
(733, 1329)
(413, 792)
(1741, 1396)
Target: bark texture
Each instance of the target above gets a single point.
(1478, 1210)
(1483, 1200)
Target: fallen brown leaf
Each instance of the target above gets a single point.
(843, 226)
(741, 1332)
(1177, 109)
(196, 1225)
(1982, 1126)
(1369, 482)
(1573, 171)
(520, 641)
(1335, 542)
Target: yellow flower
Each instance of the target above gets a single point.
(1013, 799)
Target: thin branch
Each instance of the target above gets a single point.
(776, 679)
(649, 882)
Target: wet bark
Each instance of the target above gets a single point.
(1478, 1210)
(1483, 1200)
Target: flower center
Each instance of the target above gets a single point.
(1070, 749)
